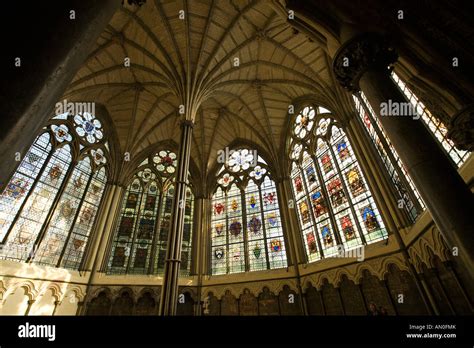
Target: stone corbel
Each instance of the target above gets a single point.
(461, 129)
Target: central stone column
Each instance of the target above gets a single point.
(169, 291)
(363, 63)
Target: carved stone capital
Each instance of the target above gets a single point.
(356, 56)
(461, 129)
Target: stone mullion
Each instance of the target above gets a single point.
(227, 247)
(310, 207)
(346, 191)
(243, 198)
(71, 228)
(52, 209)
(120, 209)
(137, 226)
(154, 241)
(322, 184)
(299, 223)
(392, 158)
(387, 190)
(207, 256)
(35, 183)
(265, 240)
(379, 182)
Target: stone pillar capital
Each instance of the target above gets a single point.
(461, 129)
(357, 55)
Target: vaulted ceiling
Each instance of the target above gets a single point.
(176, 60)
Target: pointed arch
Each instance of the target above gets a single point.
(336, 210)
(140, 241)
(49, 206)
(246, 229)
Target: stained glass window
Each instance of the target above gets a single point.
(437, 128)
(408, 196)
(141, 234)
(165, 225)
(246, 230)
(48, 208)
(334, 204)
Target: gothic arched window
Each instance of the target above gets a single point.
(408, 195)
(246, 227)
(335, 206)
(48, 208)
(436, 127)
(141, 235)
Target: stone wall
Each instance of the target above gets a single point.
(28, 289)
